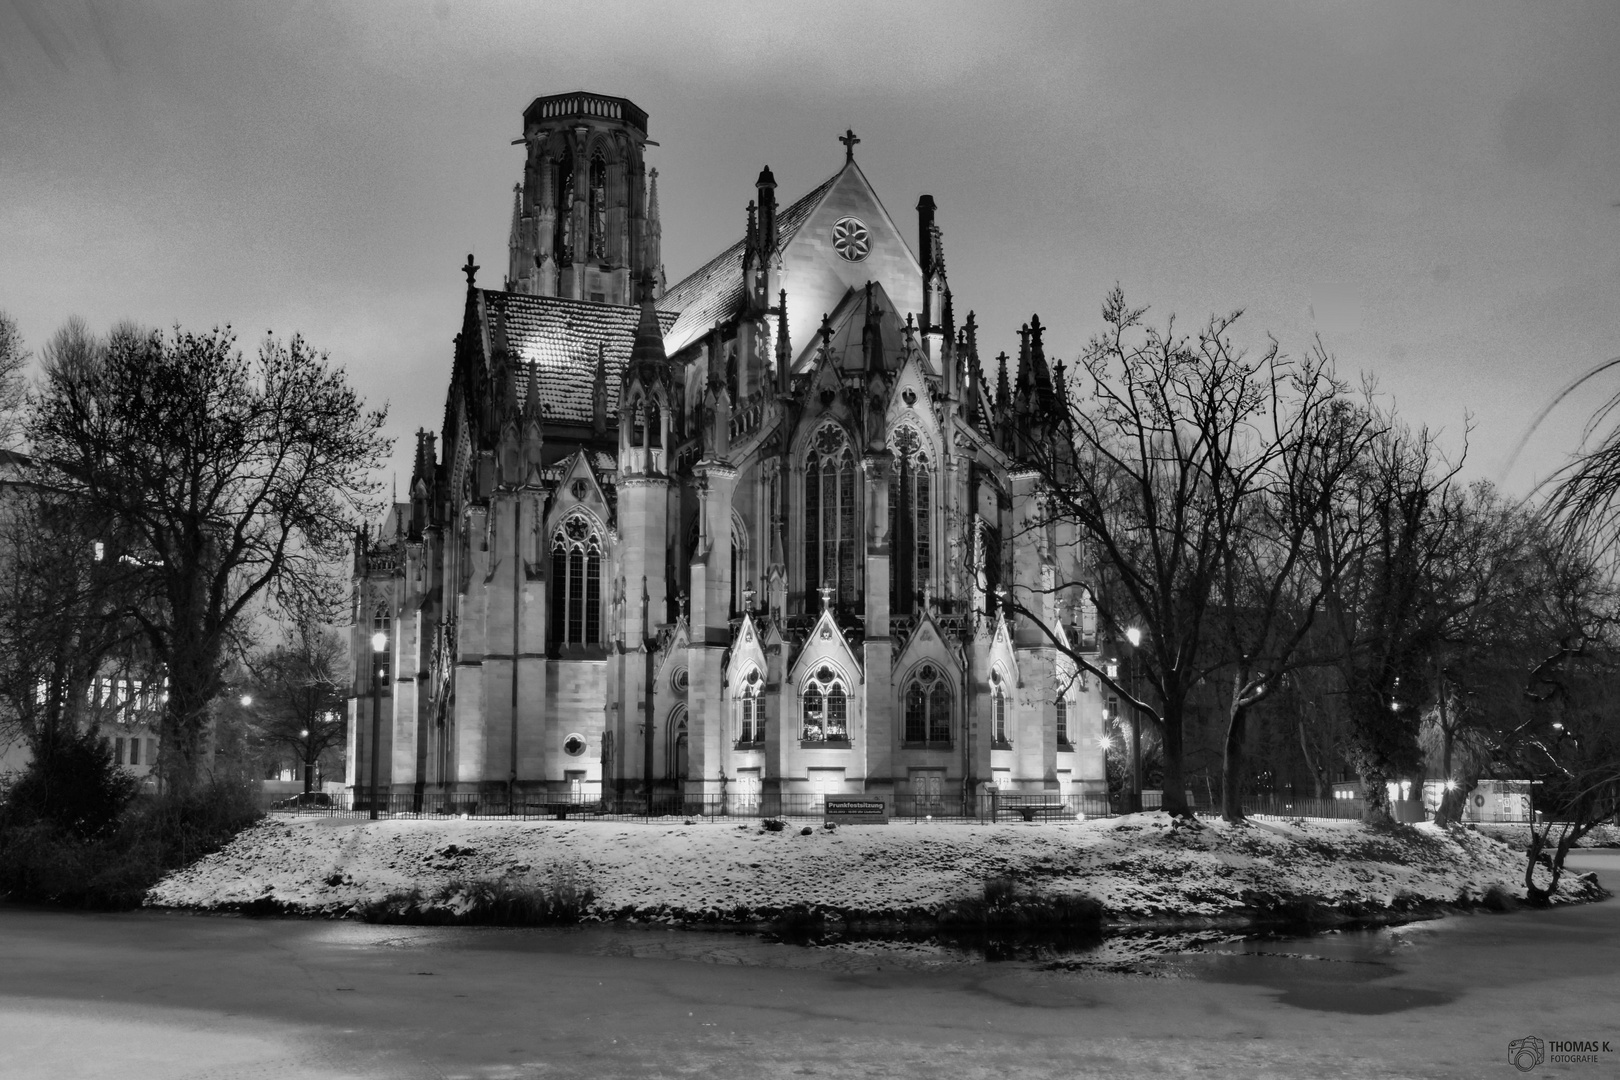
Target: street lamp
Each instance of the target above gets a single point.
(247, 700)
(379, 644)
(1134, 636)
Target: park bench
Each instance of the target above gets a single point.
(1035, 809)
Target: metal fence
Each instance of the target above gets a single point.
(983, 808)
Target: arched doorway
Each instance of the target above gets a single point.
(675, 755)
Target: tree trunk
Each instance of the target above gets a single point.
(1375, 789)
(1175, 782)
(1232, 764)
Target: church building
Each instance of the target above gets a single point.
(758, 532)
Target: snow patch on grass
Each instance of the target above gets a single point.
(1141, 868)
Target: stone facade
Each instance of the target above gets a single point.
(754, 533)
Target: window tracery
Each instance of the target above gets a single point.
(928, 707)
(576, 582)
(910, 520)
(826, 707)
(750, 709)
(998, 708)
(829, 522)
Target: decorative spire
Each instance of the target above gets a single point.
(766, 186)
(648, 348)
(653, 269)
(1037, 357)
(784, 351)
(471, 270)
(599, 391)
(531, 393)
(1003, 388)
(849, 140)
(514, 240)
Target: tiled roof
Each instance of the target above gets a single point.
(561, 337)
(714, 290)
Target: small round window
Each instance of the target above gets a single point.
(574, 745)
(850, 238)
(678, 680)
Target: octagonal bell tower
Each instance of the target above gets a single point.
(581, 223)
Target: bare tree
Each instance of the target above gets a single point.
(300, 691)
(13, 362)
(235, 481)
(1194, 475)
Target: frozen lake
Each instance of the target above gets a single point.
(164, 995)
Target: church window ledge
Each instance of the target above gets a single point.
(825, 744)
(1001, 744)
(746, 746)
(925, 746)
(1065, 748)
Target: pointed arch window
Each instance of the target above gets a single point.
(598, 207)
(576, 582)
(928, 708)
(750, 709)
(826, 707)
(638, 426)
(829, 515)
(910, 521)
(382, 622)
(563, 227)
(998, 710)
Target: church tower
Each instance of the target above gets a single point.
(580, 218)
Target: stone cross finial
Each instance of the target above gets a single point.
(826, 592)
(849, 140)
(471, 270)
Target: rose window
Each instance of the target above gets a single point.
(851, 239)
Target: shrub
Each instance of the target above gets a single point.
(72, 783)
(44, 862)
(1003, 904)
(503, 901)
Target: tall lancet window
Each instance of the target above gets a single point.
(563, 229)
(910, 521)
(598, 207)
(829, 516)
(576, 582)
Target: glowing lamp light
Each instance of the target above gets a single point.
(1451, 785)
(379, 641)
(1133, 635)
(247, 699)
(1105, 742)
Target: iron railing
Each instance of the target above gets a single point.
(737, 806)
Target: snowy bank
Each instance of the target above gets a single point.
(1142, 868)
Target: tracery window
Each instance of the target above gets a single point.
(563, 228)
(987, 565)
(928, 707)
(910, 521)
(598, 208)
(382, 623)
(826, 707)
(750, 709)
(576, 582)
(1062, 721)
(998, 708)
(829, 515)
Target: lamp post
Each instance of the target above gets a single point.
(379, 643)
(1134, 636)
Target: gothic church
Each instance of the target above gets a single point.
(746, 535)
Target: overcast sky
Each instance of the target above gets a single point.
(1435, 189)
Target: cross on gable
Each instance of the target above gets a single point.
(471, 270)
(849, 140)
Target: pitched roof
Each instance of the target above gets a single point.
(562, 339)
(715, 290)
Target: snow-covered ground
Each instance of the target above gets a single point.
(1141, 867)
